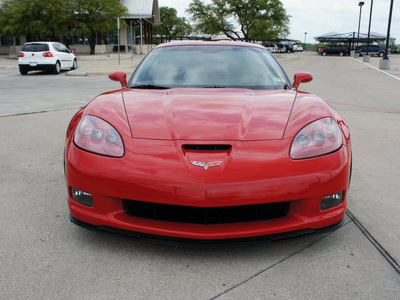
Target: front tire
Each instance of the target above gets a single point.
(381, 54)
(323, 53)
(341, 54)
(74, 65)
(57, 68)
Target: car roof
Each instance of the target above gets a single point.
(210, 43)
(40, 43)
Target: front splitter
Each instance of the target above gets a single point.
(221, 243)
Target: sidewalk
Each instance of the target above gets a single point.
(90, 65)
(7, 63)
(104, 65)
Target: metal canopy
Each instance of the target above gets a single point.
(285, 40)
(334, 37)
(142, 9)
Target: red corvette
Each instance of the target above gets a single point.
(208, 144)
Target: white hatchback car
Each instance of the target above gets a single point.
(47, 56)
(297, 48)
(272, 48)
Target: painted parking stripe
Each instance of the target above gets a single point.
(366, 107)
(378, 69)
(8, 75)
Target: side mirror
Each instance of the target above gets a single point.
(300, 78)
(118, 76)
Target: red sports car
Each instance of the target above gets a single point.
(208, 144)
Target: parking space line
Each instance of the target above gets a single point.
(366, 107)
(9, 75)
(378, 69)
(374, 242)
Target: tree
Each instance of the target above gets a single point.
(54, 18)
(96, 16)
(35, 17)
(171, 25)
(241, 19)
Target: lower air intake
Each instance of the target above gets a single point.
(206, 215)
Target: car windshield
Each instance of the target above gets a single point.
(35, 47)
(208, 66)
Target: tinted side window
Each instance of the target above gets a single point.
(56, 47)
(61, 48)
(35, 47)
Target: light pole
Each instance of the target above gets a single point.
(119, 42)
(366, 57)
(384, 64)
(360, 4)
(388, 31)
(305, 41)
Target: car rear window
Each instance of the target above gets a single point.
(35, 47)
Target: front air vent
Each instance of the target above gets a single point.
(207, 147)
(206, 215)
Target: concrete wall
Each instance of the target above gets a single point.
(144, 49)
(4, 50)
(85, 49)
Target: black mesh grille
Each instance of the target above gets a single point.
(207, 147)
(206, 215)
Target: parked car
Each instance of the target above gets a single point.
(208, 144)
(297, 48)
(372, 50)
(281, 48)
(339, 50)
(285, 48)
(271, 47)
(46, 56)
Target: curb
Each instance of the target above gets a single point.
(87, 74)
(76, 74)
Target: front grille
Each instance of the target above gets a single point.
(206, 215)
(207, 147)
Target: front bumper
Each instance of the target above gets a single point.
(252, 173)
(249, 241)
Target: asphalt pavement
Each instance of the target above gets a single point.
(44, 256)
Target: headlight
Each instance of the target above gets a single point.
(97, 136)
(318, 138)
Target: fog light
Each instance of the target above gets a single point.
(331, 201)
(82, 197)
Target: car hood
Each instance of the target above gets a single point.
(208, 114)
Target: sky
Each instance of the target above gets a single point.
(317, 17)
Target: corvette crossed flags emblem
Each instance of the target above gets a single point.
(206, 165)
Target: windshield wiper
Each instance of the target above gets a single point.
(150, 86)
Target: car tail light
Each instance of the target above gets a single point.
(47, 54)
(21, 54)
